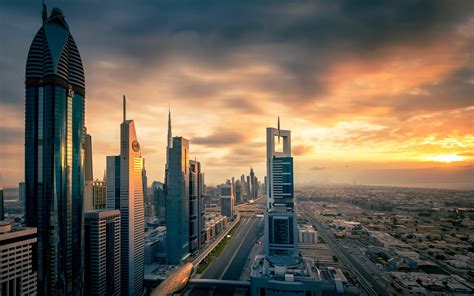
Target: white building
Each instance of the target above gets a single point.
(17, 276)
(307, 234)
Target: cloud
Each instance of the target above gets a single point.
(318, 168)
(361, 80)
(301, 149)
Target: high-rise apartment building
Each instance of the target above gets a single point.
(102, 252)
(54, 172)
(281, 229)
(125, 193)
(17, 276)
(177, 202)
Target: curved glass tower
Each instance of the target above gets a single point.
(54, 155)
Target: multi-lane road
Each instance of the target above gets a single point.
(371, 285)
(231, 262)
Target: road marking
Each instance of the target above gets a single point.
(238, 248)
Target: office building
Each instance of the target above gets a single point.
(196, 206)
(238, 191)
(54, 171)
(95, 195)
(2, 205)
(17, 276)
(102, 252)
(227, 201)
(177, 202)
(281, 229)
(159, 200)
(21, 193)
(194, 210)
(125, 193)
(145, 184)
(281, 270)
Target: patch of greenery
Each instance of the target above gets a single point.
(217, 250)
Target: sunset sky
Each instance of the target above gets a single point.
(381, 92)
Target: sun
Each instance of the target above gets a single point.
(447, 158)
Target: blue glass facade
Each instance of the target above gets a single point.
(54, 153)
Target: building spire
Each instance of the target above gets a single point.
(124, 108)
(44, 14)
(278, 129)
(170, 135)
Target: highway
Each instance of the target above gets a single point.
(367, 281)
(230, 263)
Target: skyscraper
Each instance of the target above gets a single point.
(281, 229)
(17, 275)
(159, 200)
(2, 206)
(177, 202)
(193, 207)
(125, 193)
(196, 206)
(102, 252)
(227, 200)
(54, 138)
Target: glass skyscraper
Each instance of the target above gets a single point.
(54, 155)
(177, 202)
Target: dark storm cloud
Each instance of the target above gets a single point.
(309, 36)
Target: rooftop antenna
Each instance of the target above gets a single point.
(44, 13)
(278, 129)
(124, 108)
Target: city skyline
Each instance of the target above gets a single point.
(385, 97)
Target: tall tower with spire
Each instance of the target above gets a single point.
(54, 155)
(281, 229)
(125, 193)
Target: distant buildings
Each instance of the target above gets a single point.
(227, 201)
(102, 252)
(125, 193)
(307, 235)
(238, 191)
(54, 170)
(21, 193)
(177, 201)
(17, 276)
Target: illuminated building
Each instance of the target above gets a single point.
(54, 172)
(125, 193)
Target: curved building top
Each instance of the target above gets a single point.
(53, 55)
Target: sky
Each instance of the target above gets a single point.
(374, 92)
